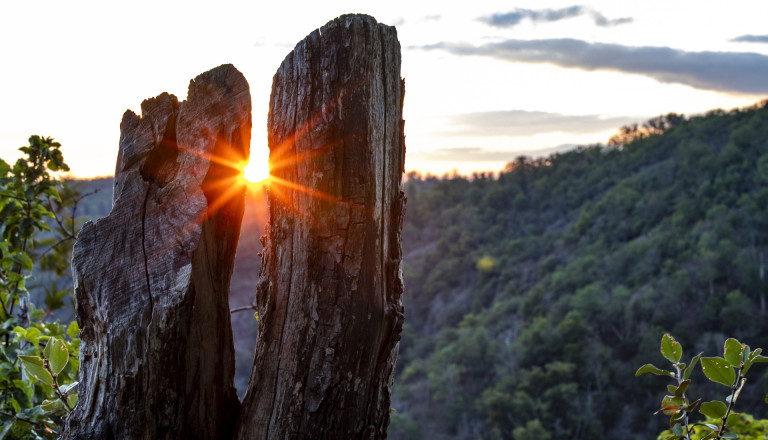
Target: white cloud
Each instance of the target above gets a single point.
(739, 72)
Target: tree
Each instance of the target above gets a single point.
(329, 293)
(152, 278)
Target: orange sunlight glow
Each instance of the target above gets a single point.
(222, 185)
(284, 161)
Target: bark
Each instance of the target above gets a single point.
(329, 292)
(152, 278)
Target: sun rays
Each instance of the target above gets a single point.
(287, 182)
(276, 168)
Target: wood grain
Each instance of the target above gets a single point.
(152, 278)
(329, 292)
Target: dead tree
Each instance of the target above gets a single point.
(329, 292)
(152, 278)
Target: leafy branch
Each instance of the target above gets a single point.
(729, 370)
(38, 384)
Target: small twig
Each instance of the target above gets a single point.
(679, 378)
(734, 388)
(54, 246)
(55, 386)
(244, 308)
(60, 222)
(70, 233)
(61, 395)
(23, 419)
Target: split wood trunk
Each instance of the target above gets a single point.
(329, 293)
(152, 278)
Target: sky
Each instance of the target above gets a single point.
(486, 81)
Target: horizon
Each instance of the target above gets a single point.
(256, 185)
(485, 82)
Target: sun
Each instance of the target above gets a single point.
(257, 169)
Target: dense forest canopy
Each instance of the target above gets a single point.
(532, 297)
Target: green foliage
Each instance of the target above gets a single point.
(533, 430)
(742, 425)
(730, 370)
(598, 252)
(38, 358)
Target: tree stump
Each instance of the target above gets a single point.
(329, 291)
(152, 278)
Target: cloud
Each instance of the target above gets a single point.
(479, 154)
(751, 39)
(739, 72)
(423, 19)
(514, 18)
(528, 123)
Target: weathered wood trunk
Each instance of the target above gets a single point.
(329, 293)
(152, 278)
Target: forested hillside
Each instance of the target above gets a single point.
(532, 298)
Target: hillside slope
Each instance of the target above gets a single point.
(532, 298)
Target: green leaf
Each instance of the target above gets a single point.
(23, 259)
(729, 435)
(73, 330)
(753, 356)
(10, 353)
(53, 193)
(15, 404)
(715, 409)
(718, 370)
(677, 429)
(680, 390)
(670, 348)
(733, 418)
(745, 353)
(35, 367)
(66, 388)
(670, 405)
(650, 368)
(26, 387)
(32, 335)
(47, 349)
(72, 400)
(4, 168)
(689, 370)
(52, 405)
(59, 356)
(692, 406)
(677, 417)
(732, 351)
